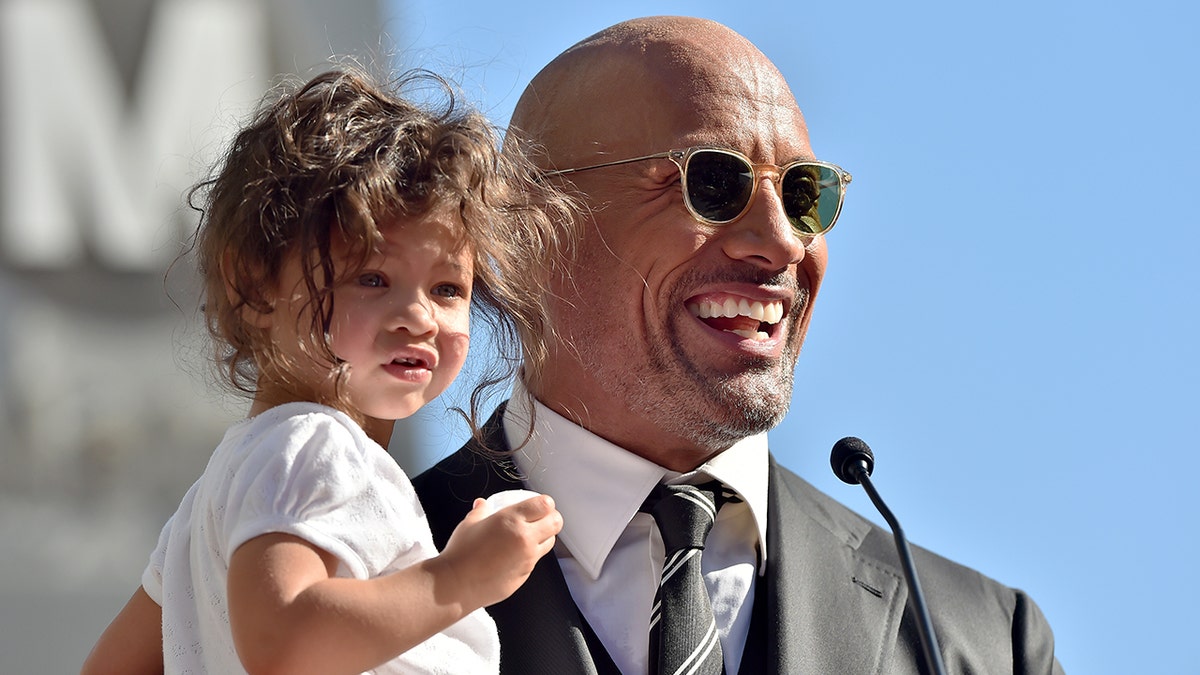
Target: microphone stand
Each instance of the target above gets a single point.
(929, 645)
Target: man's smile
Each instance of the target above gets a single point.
(744, 317)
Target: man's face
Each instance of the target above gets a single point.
(686, 333)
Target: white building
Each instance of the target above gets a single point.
(109, 111)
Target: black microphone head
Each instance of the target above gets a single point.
(850, 454)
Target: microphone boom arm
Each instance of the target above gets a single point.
(929, 644)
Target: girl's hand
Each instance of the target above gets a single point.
(490, 554)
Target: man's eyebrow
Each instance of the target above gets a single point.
(807, 157)
(804, 157)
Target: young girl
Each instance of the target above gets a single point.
(344, 242)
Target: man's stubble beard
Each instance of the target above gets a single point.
(682, 397)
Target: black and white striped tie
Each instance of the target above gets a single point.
(683, 632)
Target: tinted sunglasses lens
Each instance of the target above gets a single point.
(811, 195)
(719, 185)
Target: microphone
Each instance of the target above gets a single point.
(853, 462)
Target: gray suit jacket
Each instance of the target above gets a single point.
(836, 599)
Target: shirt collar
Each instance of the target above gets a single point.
(582, 471)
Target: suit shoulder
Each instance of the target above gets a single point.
(939, 575)
(462, 471)
(978, 620)
(448, 488)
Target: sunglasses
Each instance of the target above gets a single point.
(719, 186)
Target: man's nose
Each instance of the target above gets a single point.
(763, 235)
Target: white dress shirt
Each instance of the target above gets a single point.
(612, 555)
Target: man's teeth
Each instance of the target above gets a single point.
(750, 334)
(767, 312)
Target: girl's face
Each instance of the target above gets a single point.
(402, 323)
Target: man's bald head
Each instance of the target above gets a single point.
(634, 84)
(632, 359)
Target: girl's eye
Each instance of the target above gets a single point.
(449, 291)
(372, 280)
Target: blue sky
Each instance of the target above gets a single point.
(1009, 317)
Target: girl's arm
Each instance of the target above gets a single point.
(290, 615)
(132, 643)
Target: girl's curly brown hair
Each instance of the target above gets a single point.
(339, 156)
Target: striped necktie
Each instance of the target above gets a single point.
(683, 632)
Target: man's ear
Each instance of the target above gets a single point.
(247, 306)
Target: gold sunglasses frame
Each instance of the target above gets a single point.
(680, 158)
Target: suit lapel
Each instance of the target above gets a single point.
(833, 610)
(541, 629)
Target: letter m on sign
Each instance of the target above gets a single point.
(93, 167)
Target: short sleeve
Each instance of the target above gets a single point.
(318, 477)
(152, 576)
